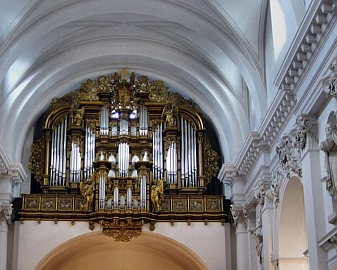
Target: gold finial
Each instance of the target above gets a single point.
(124, 72)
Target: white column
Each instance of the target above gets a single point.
(242, 241)
(314, 209)
(313, 190)
(244, 222)
(5, 220)
(268, 221)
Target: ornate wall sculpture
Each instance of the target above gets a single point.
(289, 156)
(123, 152)
(329, 147)
(273, 192)
(6, 211)
(304, 135)
(292, 144)
(329, 82)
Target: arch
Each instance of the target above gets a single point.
(97, 251)
(292, 236)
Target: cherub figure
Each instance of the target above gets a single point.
(87, 189)
(157, 195)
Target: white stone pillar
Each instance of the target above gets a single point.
(314, 209)
(242, 241)
(5, 220)
(267, 216)
(312, 187)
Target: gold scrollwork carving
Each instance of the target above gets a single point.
(211, 160)
(122, 230)
(37, 159)
(158, 91)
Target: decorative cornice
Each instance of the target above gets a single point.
(305, 43)
(16, 171)
(329, 240)
(249, 153)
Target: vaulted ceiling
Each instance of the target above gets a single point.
(209, 50)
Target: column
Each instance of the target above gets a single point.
(242, 241)
(267, 217)
(265, 195)
(5, 220)
(314, 213)
(312, 189)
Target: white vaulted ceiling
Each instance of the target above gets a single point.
(208, 50)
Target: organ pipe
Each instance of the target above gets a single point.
(188, 155)
(104, 129)
(58, 155)
(101, 194)
(143, 121)
(116, 194)
(143, 192)
(129, 198)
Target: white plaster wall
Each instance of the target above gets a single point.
(208, 242)
(37, 240)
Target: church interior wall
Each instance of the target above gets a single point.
(299, 200)
(211, 245)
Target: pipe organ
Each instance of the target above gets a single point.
(128, 147)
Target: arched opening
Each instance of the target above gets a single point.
(292, 235)
(97, 251)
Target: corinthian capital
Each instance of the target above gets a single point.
(6, 211)
(305, 132)
(243, 217)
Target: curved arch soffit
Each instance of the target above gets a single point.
(148, 251)
(42, 91)
(187, 17)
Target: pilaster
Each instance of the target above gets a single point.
(243, 220)
(6, 210)
(314, 208)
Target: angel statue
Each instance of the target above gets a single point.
(170, 112)
(157, 195)
(87, 189)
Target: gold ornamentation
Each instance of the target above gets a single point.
(122, 230)
(185, 103)
(158, 91)
(37, 159)
(157, 195)
(170, 112)
(77, 139)
(211, 160)
(123, 209)
(92, 123)
(57, 103)
(87, 189)
(169, 141)
(87, 92)
(76, 114)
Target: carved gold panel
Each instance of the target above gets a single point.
(179, 205)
